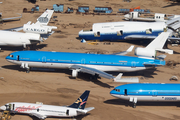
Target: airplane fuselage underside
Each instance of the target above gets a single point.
(67, 66)
(113, 36)
(148, 98)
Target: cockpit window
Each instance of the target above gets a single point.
(117, 90)
(10, 55)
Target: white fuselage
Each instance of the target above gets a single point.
(10, 38)
(43, 110)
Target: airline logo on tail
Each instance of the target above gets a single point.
(79, 100)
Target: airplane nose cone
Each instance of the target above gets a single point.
(2, 108)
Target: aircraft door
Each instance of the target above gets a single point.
(133, 64)
(154, 93)
(119, 33)
(67, 112)
(10, 107)
(44, 59)
(97, 34)
(83, 61)
(125, 92)
(17, 57)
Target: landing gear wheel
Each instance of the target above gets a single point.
(134, 105)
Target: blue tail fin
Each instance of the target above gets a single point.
(81, 101)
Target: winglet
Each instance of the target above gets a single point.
(125, 52)
(132, 79)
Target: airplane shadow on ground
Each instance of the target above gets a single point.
(84, 76)
(7, 48)
(172, 4)
(140, 103)
(80, 117)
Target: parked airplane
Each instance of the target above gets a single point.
(34, 33)
(94, 64)
(43, 111)
(114, 31)
(147, 92)
(157, 17)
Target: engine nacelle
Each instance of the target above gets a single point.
(74, 73)
(36, 29)
(71, 112)
(144, 52)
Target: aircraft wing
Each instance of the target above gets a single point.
(14, 29)
(91, 71)
(12, 18)
(38, 115)
(140, 37)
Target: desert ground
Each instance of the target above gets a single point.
(56, 87)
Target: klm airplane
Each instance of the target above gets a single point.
(147, 92)
(94, 64)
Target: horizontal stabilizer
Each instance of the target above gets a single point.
(85, 110)
(165, 50)
(131, 79)
(161, 56)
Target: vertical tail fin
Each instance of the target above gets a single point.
(45, 17)
(159, 41)
(81, 101)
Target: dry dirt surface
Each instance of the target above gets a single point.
(58, 88)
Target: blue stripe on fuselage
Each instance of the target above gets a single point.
(114, 37)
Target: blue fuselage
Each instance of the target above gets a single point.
(148, 92)
(65, 60)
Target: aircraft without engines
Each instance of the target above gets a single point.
(43, 111)
(116, 31)
(95, 64)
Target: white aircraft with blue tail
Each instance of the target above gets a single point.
(95, 64)
(43, 111)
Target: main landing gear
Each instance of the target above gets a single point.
(134, 101)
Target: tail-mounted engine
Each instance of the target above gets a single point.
(36, 29)
(143, 52)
